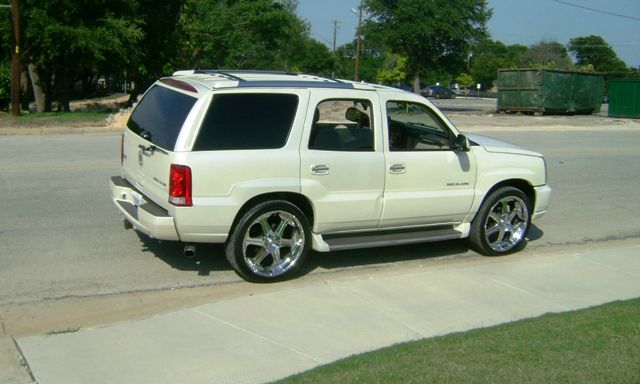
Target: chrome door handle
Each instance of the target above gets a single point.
(397, 168)
(320, 169)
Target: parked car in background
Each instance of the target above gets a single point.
(438, 92)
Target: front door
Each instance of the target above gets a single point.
(427, 182)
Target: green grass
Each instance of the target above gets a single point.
(595, 345)
(53, 119)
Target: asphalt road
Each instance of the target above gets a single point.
(61, 236)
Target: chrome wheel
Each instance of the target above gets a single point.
(506, 224)
(273, 243)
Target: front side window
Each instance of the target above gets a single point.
(160, 114)
(415, 127)
(247, 121)
(342, 125)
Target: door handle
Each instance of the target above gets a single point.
(397, 168)
(320, 169)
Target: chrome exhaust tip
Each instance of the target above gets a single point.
(189, 251)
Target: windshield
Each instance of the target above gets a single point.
(160, 115)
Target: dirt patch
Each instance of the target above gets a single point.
(103, 104)
(119, 119)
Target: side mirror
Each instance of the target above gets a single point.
(461, 143)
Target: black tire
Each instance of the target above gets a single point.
(502, 223)
(269, 242)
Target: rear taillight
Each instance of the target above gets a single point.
(180, 185)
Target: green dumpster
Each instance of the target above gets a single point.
(549, 91)
(624, 98)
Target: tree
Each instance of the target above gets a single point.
(595, 51)
(547, 54)
(489, 56)
(371, 60)
(5, 62)
(156, 53)
(432, 34)
(394, 70)
(69, 41)
(249, 34)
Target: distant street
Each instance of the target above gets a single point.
(60, 235)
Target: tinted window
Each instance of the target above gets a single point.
(342, 125)
(247, 121)
(415, 127)
(160, 115)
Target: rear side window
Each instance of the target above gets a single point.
(160, 115)
(247, 121)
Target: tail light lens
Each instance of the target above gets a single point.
(180, 185)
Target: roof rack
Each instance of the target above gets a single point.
(237, 78)
(301, 79)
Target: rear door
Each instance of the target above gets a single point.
(342, 160)
(149, 141)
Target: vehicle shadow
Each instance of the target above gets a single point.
(535, 233)
(209, 257)
(384, 255)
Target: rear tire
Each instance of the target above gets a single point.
(269, 242)
(502, 223)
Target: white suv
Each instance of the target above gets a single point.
(275, 164)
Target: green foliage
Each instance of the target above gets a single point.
(250, 34)
(489, 56)
(432, 34)
(5, 84)
(465, 80)
(394, 70)
(547, 55)
(371, 60)
(594, 50)
(159, 21)
(71, 40)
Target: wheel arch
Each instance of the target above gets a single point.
(302, 202)
(520, 184)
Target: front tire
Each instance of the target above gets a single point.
(502, 223)
(269, 242)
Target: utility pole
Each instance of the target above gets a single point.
(358, 38)
(15, 60)
(335, 33)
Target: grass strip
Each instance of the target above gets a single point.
(594, 345)
(53, 119)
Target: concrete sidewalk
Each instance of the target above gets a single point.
(264, 337)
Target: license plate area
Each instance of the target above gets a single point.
(137, 198)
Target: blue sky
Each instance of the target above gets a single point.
(514, 22)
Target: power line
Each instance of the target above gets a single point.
(596, 10)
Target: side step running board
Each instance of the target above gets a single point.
(381, 239)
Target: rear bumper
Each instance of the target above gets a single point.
(145, 216)
(543, 198)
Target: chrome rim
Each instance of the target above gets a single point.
(273, 243)
(506, 224)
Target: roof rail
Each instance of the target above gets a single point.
(231, 73)
(294, 83)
